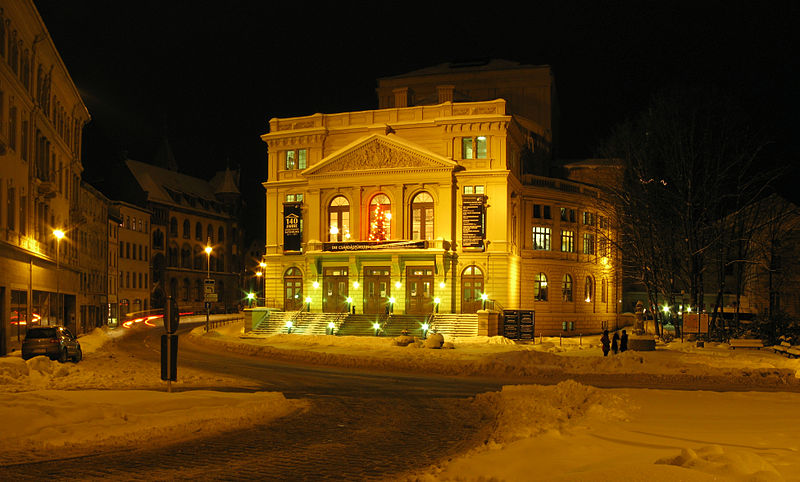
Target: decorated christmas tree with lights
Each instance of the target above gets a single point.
(379, 228)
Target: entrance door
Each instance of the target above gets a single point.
(471, 289)
(419, 290)
(293, 290)
(334, 295)
(376, 289)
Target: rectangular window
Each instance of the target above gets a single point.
(12, 209)
(568, 241)
(474, 147)
(588, 243)
(588, 218)
(602, 247)
(541, 238)
(541, 211)
(568, 215)
(290, 198)
(469, 189)
(296, 159)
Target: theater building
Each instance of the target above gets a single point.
(435, 203)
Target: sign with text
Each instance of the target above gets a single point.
(473, 221)
(367, 245)
(292, 226)
(695, 323)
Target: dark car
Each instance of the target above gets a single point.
(55, 342)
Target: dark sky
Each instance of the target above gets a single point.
(209, 75)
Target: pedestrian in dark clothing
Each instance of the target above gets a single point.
(615, 343)
(605, 341)
(623, 342)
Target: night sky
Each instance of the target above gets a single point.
(209, 75)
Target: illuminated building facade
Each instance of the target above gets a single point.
(41, 121)
(440, 196)
(133, 254)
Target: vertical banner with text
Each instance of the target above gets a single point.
(292, 226)
(473, 221)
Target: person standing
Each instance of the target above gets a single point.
(623, 342)
(615, 343)
(605, 341)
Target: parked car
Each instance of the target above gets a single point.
(55, 342)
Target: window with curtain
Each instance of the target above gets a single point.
(422, 217)
(339, 219)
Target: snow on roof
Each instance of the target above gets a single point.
(173, 188)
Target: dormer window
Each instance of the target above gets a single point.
(295, 159)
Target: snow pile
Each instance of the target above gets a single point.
(39, 422)
(524, 411)
(731, 464)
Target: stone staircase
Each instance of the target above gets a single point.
(317, 323)
(360, 325)
(455, 324)
(412, 324)
(275, 323)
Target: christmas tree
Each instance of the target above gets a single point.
(379, 226)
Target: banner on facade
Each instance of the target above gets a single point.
(367, 245)
(473, 221)
(292, 227)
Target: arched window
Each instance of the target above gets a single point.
(221, 262)
(186, 228)
(566, 288)
(186, 256)
(540, 287)
(221, 234)
(198, 255)
(471, 289)
(422, 217)
(198, 231)
(293, 289)
(589, 290)
(173, 227)
(380, 218)
(210, 233)
(173, 288)
(172, 255)
(604, 291)
(185, 290)
(158, 239)
(198, 290)
(339, 219)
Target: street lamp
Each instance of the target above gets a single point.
(436, 302)
(263, 267)
(308, 303)
(259, 274)
(208, 277)
(391, 304)
(484, 297)
(58, 235)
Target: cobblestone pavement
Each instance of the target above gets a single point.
(339, 438)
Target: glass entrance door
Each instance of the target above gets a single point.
(419, 290)
(377, 289)
(334, 294)
(293, 290)
(471, 290)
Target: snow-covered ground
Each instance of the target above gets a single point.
(566, 431)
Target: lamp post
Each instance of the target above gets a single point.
(58, 235)
(208, 276)
(484, 297)
(259, 274)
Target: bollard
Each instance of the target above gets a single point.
(559, 339)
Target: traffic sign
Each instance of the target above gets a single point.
(211, 297)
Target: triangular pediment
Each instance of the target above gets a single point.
(380, 153)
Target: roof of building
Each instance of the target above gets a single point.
(169, 187)
(480, 65)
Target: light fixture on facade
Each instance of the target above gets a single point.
(442, 284)
(398, 284)
(315, 284)
(356, 284)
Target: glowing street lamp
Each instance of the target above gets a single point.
(58, 235)
(376, 326)
(250, 297)
(391, 304)
(436, 302)
(484, 297)
(425, 330)
(208, 277)
(308, 303)
(331, 327)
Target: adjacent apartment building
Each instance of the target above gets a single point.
(41, 122)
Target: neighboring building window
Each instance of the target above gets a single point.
(589, 289)
(541, 211)
(588, 218)
(604, 291)
(602, 222)
(566, 288)
(568, 215)
(588, 243)
(220, 234)
(173, 227)
(12, 209)
(295, 159)
(339, 219)
(473, 190)
(602, 246)
(567, 241)
(540, 287)
(186, 228)
(380, 218)
(422, 217)
(198, 231)
(473, 147)
(541, 238)
(294, 198)
(210, 233)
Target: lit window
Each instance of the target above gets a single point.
(566, 288)
(568, 215)
(541, 238)
(473, 147)
(339, 219)
(588, 218)
(567, 241)
(588, 243)
(589, 290)
(291, 198)
(380, 218)
(295, 159)
(540, 287)
(422, 217)
(474, 190)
